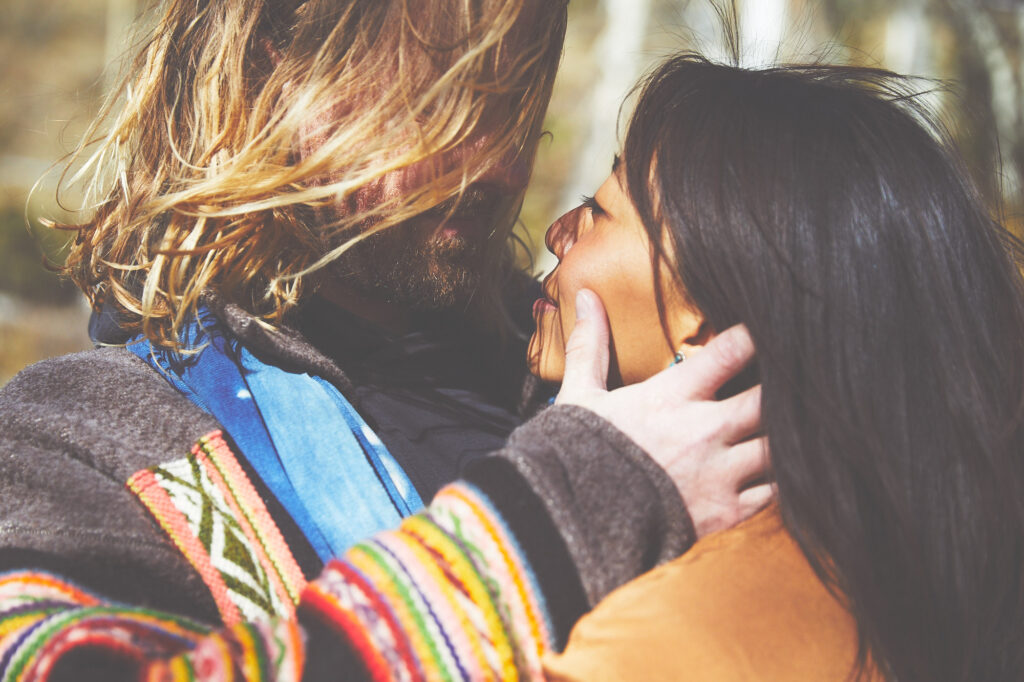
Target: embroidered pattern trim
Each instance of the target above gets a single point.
(213, 514)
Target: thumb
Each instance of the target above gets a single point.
(586, 351)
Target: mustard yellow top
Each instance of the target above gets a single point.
(742, 604)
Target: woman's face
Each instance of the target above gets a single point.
(603, 246)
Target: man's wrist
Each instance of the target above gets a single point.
(616, 509)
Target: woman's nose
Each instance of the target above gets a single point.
(562, 234)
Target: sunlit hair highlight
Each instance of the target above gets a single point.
(243, 126)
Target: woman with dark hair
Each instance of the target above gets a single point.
(819, 207)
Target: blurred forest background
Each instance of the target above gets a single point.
(59, 57)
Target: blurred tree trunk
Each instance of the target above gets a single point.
(988, 76)
(976, 44)
(908, 39)
(762, 30)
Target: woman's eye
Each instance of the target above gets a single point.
(590, 203)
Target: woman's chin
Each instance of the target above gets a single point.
(540, 370)
(540, 361)
(546, 376)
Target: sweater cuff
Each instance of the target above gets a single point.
(617, 512)
(537, 538)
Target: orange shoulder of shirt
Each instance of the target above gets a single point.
(742, 604)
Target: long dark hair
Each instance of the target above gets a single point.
(820, 206)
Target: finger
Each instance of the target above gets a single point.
(586, 351)
(753, 500)
(749, 462)
(722, 358)
(703, 374)
(744, 415)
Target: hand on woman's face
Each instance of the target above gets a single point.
(603, 246)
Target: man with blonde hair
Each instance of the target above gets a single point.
(325, 185)
(299, 249)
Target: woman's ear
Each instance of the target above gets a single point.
(694, 333)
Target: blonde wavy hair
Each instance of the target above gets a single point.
(200, 173)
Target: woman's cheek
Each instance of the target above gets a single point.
(586, 267)
(634, 325)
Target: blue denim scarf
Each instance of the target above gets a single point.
(306, 442)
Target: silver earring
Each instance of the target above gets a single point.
(677, 358)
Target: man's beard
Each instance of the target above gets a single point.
(401, 265)
(397, 266)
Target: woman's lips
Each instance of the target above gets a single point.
(542, 305)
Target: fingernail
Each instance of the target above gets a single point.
(584, 304)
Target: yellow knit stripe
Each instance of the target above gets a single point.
(411, 618)
(441, 574)
(250, 663)
(452, 515)
(512, 566)
(10, 625)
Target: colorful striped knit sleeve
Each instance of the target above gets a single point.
(45, 621)
(449, 595)
(52, 629)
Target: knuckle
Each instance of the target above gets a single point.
(730, 352)
(579, 340)
(734, 348)
(695, 445)
(575, 346)
(715, 430)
